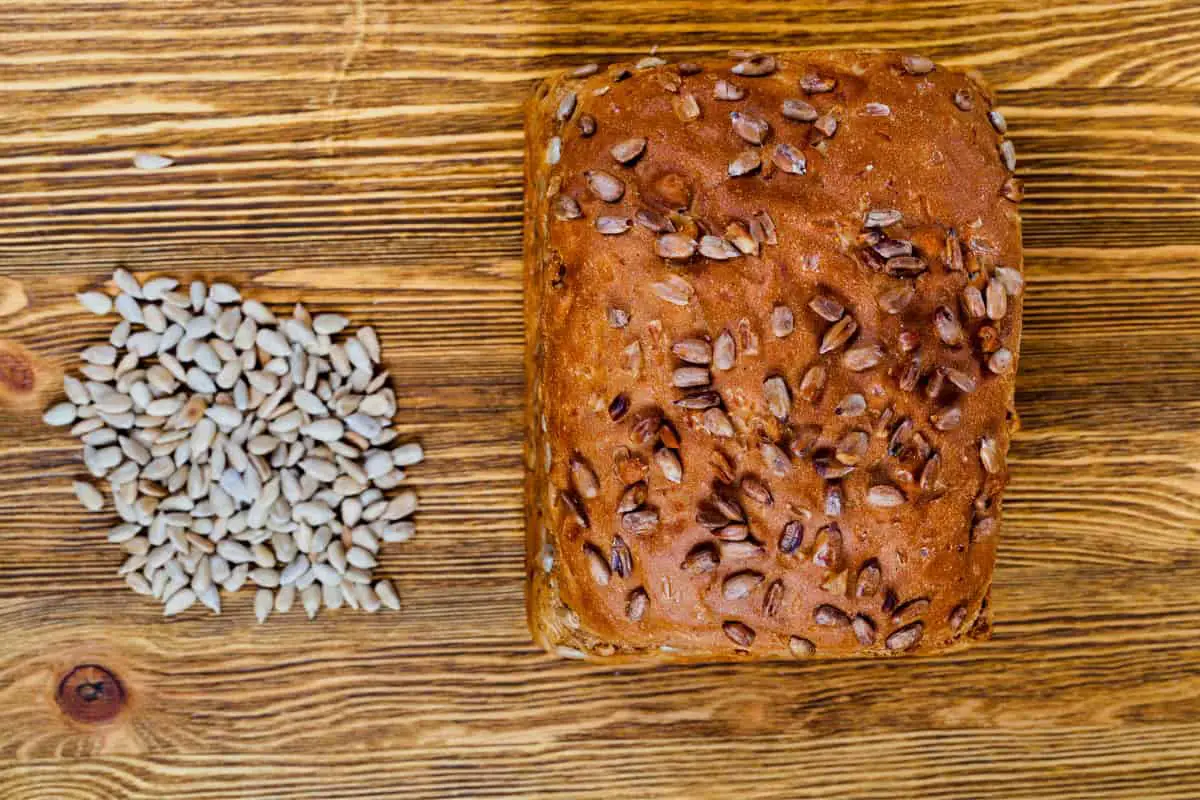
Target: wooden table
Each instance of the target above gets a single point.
(366, 157)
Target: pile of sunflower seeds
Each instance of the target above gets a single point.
(239, 447)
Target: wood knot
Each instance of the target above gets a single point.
(17, 372)
(90, 693)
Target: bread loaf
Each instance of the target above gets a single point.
(773, 307)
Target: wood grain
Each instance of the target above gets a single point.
(365, 156)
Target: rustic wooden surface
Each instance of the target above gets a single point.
(366, 156)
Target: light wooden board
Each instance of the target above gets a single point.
(366, 157)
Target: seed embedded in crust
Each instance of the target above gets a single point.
(998, 122)
(740, 584)
(1001, 361)
(750, 127)
(618, 407)
(755, 66)
(641, 521)
(946, 419)
(826, 125)
(756, 490)
(701, 560)
(864, 629)
(963, 100)
(799, 111)
(653, 221)
(791, 537)
(882, 218)
(668, 463)
(989, 455)
(947, 325)
(629, 150)
(739, 633)
(718, 249)
(584, 478)
(620, 559)
(724, 351)
(637, 604)
(724, 90)
(862, 358)
(566, 107)
(605, 185)
(597, 565)
(827, 308)
(917, 65)
(852, 405)
(957, 617)
(816, 84)
(827, 547)
(746, 162)
(870, 579)
(673, 289)
(997, 300)
(789, 159)
(675, 246)
(885, 496)
(613, 226)
(782, 321)
(632, 498)
(896, 299)
(717, 422)
(686, 108)
(1008, 155)
(905, 638)
(692, 351)
(838, 334)
(812, 383)
(801, 647)
(778, 397)
(831, 616)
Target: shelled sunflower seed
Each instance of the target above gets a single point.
(240, 448)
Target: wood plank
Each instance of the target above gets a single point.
(364, 156)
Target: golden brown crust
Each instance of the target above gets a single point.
(622, 326)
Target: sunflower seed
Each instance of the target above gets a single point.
(1001, 361)
(831, 616)
(838, 334)
(745, 163)
(717, 422)
(998, 122)
(628, 150)
(675, 246)
(673, 289)
(750, 127)
(1008, 155)
(989, 455)
(641, 521)
(613, 226)
(789, 159)
(799, 111)
(916, 65)
(905, 638)
(95, 302)
(963, 100)
(997, 299)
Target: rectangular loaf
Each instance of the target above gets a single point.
(773, 307)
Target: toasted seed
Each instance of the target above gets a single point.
(962, 380)
(653, 221)
(948, 328)
(756, 490)
(629, 150)
(852, 447)
(801, 647)
(632, 498)
(1008, 155)
(618, 407)
(611, 226)
(566, 208)
(686, 377)
(827, 547)
(637, 604)
(724, 351)
(692, 351)
(896, 299)
(852, 405)
(789, 159)
(997, 300)
(750, 127)
(746, 162)
(884, 496)
(827, 308)
(946, 419)
(998, 122)
(799, 111)
(864, 629)
(755, 66)
(838, 334)
(816, 84)
(870, 579)
(862, 358)
(1001, 361)
(905, 638)
(701, 559)
(963, 99)
(668, 462)
(673, 289)
(831, 616)
(740, 584)
(813, 382)
(640, 521)
(724, 90)
(777, 396)
(783, 323)
(916, 65)
(686, 107)
(989, 455)
(675, 246)
(566, 107)
(1010, 279)
(605, 185)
